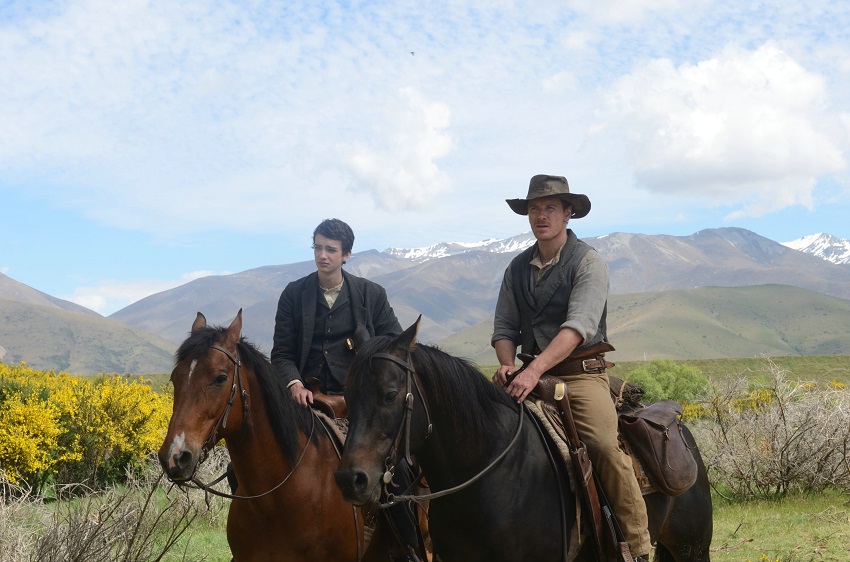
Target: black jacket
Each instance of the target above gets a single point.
(296, 312)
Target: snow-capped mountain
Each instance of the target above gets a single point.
(826, 246)
(445, 249)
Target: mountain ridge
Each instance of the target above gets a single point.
(455, 291)
(453, 286)
(825, 246)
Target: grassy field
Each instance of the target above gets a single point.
(817, 368)
(794, 529)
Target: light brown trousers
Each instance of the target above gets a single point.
(596, 423)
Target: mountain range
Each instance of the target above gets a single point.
(454, 286)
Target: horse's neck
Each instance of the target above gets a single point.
(255, 452)
(448, 460)
(258, 458)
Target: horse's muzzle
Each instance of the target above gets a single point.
(357, 487)
(178, 462)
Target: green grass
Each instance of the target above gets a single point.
(792, 529)
(203, 542)
(796, 528)
(817, 368)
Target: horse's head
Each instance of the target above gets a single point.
(387, 415)
(209, 398)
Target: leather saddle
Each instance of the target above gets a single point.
(332, 405)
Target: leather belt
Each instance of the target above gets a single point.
(571, 367)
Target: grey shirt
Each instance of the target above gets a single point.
(587, 301)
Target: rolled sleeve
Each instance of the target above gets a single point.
(506, 325)
(588, 297)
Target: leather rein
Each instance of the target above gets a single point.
(404, 432)
(211, 440)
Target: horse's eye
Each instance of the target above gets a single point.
(390, 396)
(220, 380)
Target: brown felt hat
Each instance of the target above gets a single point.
(551, 186)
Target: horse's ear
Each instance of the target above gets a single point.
(234, 331)
(407, 339)
(360, 336)
(200, 322)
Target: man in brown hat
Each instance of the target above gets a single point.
(553, 301)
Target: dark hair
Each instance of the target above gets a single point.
(335, 229)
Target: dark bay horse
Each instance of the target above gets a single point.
(224, 388)
(512, 510)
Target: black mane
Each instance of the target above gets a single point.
(286, 417)
(468, 398)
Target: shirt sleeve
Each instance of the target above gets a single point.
(506, 324)
(588, 297)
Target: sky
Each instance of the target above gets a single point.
(144, 144)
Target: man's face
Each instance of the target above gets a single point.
(548, 217)
(328, 254)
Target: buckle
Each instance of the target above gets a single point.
(592, 370)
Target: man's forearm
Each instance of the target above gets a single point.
(505, 352)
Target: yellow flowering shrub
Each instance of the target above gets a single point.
(55, 426)
(28, 435)
(691, 412)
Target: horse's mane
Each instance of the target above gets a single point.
(285, 416)
(466, 396)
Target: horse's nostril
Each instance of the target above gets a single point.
(360, 481)
(183, 460)
(351, 482)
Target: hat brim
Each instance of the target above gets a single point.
(579, 202)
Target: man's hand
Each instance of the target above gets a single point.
(523, 383)
(501, 374)
(300, 394)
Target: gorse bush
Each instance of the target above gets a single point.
(55, 427)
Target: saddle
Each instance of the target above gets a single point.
(651, 435)
(332, 405)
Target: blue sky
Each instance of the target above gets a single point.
(144, 144)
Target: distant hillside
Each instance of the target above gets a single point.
(704, 323)
(219, 297)
(454, 286)
(48, 338)
(14, 291)
(726, 257)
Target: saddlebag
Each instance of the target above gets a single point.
(656, 437)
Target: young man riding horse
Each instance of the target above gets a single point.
(315, 324)
(553, 301)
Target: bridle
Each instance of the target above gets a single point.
(211, 440)
(403, 432)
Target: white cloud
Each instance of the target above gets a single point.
(628, 11)
(402, 174)
(109, 295)
(183, 118)
(747, 128)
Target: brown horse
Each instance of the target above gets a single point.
(288, 507)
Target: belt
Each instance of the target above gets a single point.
(571, 367)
